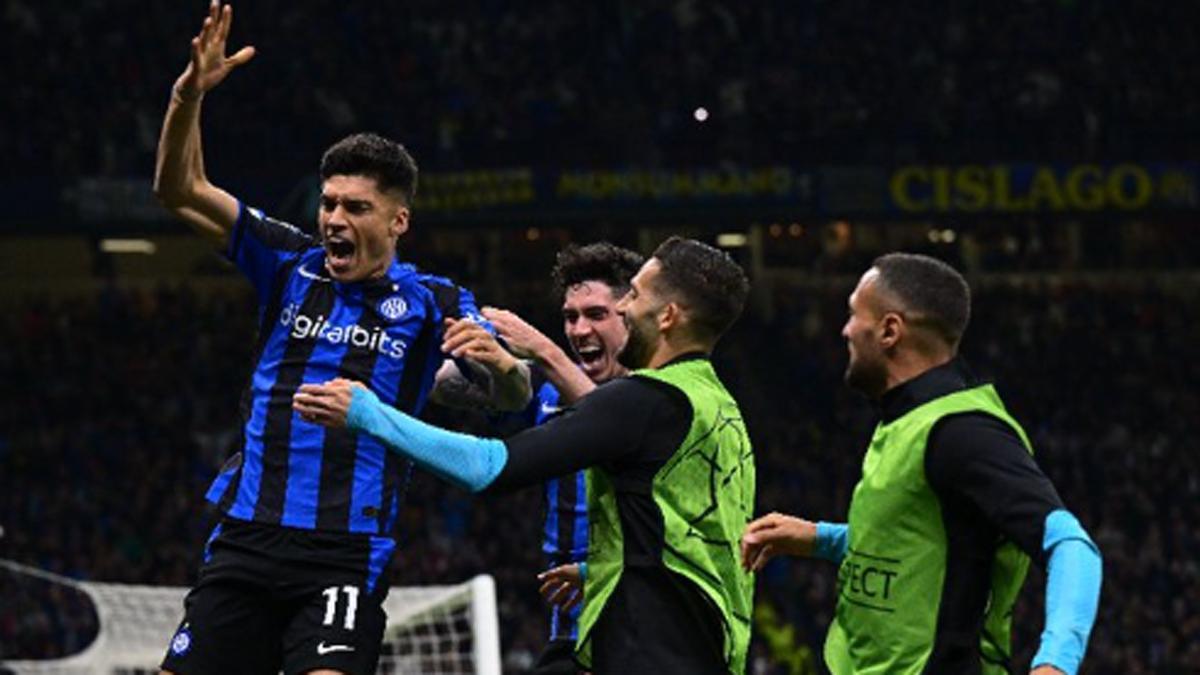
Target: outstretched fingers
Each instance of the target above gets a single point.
(242, 56)
(224, 20)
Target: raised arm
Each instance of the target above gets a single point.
(179, 179)
(528, 342)
(497, 380)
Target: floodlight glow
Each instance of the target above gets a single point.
(731, 240)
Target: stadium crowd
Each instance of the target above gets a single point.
(121, 407)
(481, 83)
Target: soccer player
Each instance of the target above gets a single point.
(951, 505)
(293, 576)
(671, 483)
(591, 279)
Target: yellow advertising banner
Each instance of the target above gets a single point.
(1042, 188)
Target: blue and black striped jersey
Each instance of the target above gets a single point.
(384, 332)
(566, 527)
(565, 537)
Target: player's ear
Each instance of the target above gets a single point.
(399, 224)
(669, 316)
(891, 328)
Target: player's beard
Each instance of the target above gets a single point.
(639, 346)
(867, 376)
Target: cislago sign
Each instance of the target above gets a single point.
(1034, 188)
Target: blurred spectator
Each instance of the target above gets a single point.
(478, 83)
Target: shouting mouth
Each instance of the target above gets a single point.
(591, 354)
(339, 251)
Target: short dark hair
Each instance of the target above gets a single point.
(373, 156)
(600, 261)
(928, 287)
(710, 284)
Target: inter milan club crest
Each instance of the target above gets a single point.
(182, 642)
(393, 308)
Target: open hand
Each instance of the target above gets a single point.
(523, 339)
(327, 404)
(209, 65)
(562, 586)
(773, 534)
(466, 339)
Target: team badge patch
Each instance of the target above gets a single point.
(182, 642)
(393, 308)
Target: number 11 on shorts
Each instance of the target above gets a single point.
(331, 602)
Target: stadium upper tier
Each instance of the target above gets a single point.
(479, 84)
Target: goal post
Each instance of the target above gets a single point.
(442, 630)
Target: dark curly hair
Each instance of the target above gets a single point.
(373, 156)
(600, 261)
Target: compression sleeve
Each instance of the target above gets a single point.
(832, 540)
(467, 461)
(1073, 578)
(631, 419)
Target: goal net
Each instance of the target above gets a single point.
(436, 630)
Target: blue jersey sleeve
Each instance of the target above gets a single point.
(259, 245)
(468, 309)
(454, 302)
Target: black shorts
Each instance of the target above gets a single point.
(558, 658)
(271, 599)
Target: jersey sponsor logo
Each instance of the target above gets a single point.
(393, 308)
(182, 642)
(323, 649)
(305, 327)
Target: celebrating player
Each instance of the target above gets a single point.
(591, 279)
(293, 576)
(950, 508)
(671, 483)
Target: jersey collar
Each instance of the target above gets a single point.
(954, 375)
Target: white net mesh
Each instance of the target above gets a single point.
(435, 630)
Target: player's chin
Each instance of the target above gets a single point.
(344, 271)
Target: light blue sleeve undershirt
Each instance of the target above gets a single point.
(832, 539)
(467, 461)
(1073, 574)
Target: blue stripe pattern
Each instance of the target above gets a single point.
(402, 307)
(381, 553)
(369, 454)
(550, 531)
(304, 459)
(261, 384)
(580, 545)
(216, 532)
(563, 625)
